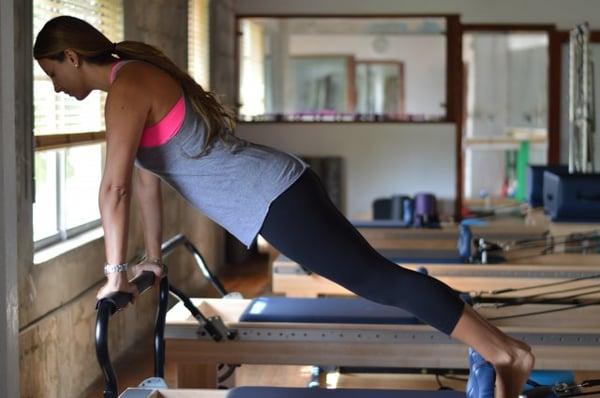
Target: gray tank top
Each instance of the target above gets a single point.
(233, 183)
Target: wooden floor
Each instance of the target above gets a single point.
(251, 279)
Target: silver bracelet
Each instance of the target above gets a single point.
(111, 268)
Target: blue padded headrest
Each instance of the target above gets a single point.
(551, 377)
(474, 221)
(324, 310)
(465, 236)
(422, 256)
(482, 377)
(408, 210)
(284, 392)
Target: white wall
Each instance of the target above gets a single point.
(379, 160)
(424, 59)
(564, 13)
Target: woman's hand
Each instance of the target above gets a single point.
(155, 266)
(118, 282)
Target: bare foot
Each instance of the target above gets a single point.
(512, 359)
(512, 370)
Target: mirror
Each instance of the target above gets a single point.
(342, 69)
(506, 105)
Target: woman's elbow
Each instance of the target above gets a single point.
(115, 192)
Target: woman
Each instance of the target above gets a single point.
(159, 119)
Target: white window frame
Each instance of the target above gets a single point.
(64, 233)
(103, 10)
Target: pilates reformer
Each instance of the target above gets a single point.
(488, 251)
(552, 262)
(250, 334)
(215, 329)
(382, 234)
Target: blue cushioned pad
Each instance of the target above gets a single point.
(422, 256)
(325, 310)
(551, 377)
(283, 392)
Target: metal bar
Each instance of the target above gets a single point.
(581, 100)
(572, 144)
(205, 270)
(585, 159)
(168, 246)
(207, 328)
(159, 329)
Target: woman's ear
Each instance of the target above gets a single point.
(72, 57)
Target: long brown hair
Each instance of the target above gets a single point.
(65, 32)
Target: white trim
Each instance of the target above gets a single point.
(55, 250)
(9, 321)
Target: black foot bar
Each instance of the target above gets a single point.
(118, 300)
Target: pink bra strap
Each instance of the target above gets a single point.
(115, 69)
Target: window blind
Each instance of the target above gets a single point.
(198, 42)
(58, 113)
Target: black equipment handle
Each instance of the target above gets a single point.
(106, 307)
(159, 329)
(118, 300)
(588, 196)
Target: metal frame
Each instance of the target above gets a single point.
(581, 102)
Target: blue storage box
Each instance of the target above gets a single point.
(572, 197)
(535, 183)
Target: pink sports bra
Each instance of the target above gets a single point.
(167, 127)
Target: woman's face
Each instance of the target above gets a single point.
(66, 75)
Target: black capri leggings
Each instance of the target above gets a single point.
(305, 225)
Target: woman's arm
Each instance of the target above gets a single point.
(148, 192)
(126, 110)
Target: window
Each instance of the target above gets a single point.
(198, 42)
(506, 102)
(252, 59)
(67, 178)
(342, 69)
